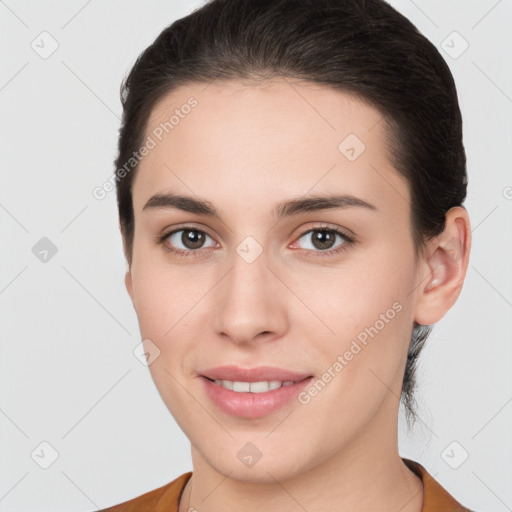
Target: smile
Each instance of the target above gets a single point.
(253, 387)
(255, 399)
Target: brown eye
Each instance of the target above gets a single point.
(186, 240)
(322, 241)
(192, 239)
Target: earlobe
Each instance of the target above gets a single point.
(446, 266)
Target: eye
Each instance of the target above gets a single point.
(322, 240)
(187, 241)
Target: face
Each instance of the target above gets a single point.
(257, 270)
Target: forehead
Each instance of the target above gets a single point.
(276, 135)
(265, 107)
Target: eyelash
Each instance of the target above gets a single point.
(161, 240)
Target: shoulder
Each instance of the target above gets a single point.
(435, 497)
(164, 498)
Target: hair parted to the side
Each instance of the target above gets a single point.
(363, 47)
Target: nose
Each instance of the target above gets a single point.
(250, 302)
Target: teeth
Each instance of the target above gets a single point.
(241, 386)
(225, 383)
(253, 387)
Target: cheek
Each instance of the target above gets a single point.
(165, 295)
(362, 360)
(166, 299)
(355, 293)
(364, 313)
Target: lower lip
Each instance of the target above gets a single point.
(252, 405)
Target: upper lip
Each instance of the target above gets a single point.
(258, 374)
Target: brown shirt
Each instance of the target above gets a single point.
(166, 498)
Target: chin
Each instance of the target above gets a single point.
(260, 473)
(276, 465)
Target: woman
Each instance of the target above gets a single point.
(290, 179)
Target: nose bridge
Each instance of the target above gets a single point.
(246, 303)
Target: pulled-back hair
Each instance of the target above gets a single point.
(362, 47)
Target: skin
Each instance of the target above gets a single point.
(245, 148)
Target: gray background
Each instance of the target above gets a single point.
(68, 374)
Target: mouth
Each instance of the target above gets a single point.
(252, 393)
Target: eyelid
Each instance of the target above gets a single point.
(166, 232)
(343, 230)
(326, 226)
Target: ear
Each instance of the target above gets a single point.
(128, 282)
(444, 268)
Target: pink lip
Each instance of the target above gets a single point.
(261, 373)
(247, 404)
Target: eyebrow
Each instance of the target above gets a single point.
(281, 210)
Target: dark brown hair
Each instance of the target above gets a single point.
(363, 47)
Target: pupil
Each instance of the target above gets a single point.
(192, 239)
(324, 238)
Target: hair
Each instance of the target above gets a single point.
(361, 47)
